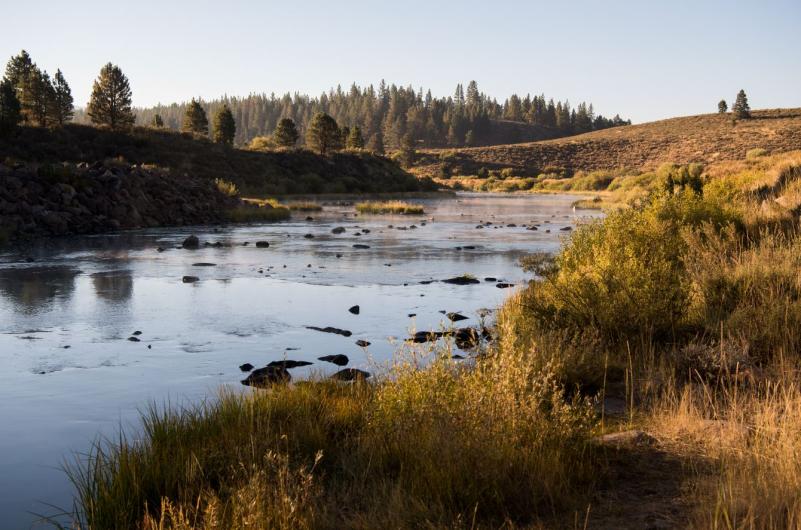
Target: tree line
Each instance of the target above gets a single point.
(389, 113)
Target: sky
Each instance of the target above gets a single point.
(643, 59)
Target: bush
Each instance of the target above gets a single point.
(755, 153)
(226, 187)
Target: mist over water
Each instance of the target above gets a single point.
(70, 374)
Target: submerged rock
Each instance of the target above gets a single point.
(351, 374)
(269, 375)
(339, 359)
(287, 364)
(461, 280)
(362, 343)
(329, 329)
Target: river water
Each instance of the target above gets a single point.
(68, 307)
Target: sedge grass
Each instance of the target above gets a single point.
(389, 207)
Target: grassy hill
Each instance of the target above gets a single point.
(287, 172)
(705, 138)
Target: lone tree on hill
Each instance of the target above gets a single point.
(158, 122)
(740, 108)
(62, 102)
(355, 139)
(286, 134)
(323, 134)
(10, 114)
(722, 107)
(224, 126)
(110, 104)
(195, 120)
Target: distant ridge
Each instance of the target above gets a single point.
(704, 138)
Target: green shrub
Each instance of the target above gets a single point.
(753, 154)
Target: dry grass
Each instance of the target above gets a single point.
(389, 207)
(304, 206)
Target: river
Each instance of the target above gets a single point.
(69, 306)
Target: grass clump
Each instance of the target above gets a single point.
(304, 206)
(441, 446)
(226, 187)
(252, 213)
(389, 207)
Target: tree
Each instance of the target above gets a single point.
(10, 114)
(286, 134)
(224, 126)
(344, 133)
(722, 107)
(157, 122)
(740, 108)
(323, 133)
(195, 120)
(407, 150)
(110, 103)
(376, 143)
(37, 97)
(62, 99)
(355, 138)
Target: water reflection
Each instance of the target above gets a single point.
(113, 286)
(36, 289)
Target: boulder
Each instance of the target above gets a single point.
(338, 230)
(267, 376)
(351, 374)
(354, 310)
(192, 242)
(339, 359)
(461, 280)
(246, 367)
(287, 364)
(456, 317)
(262, 244)
(190, 279)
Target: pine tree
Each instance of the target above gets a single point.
(157, 122)
(740, 108)
(355, 139)
(62, 100)
(407, 150)
(10, 114)
(722, 107)
(110, 103)
(18, 71)
(38, 97)
(224, 126)
(323, 134)
(344, 134)
(286, 134)
(376, 143)
(195, 120)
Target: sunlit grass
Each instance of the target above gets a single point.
(391, 207)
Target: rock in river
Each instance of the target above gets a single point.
(288, 364)
(339, 359)
(456, 317)
(338, 230)
(466, 338)
(461, 280)
(267, 376)
(191, 242)
(504, 285)
(246, 367)
(355, 310)
(262, 244)
(329, 329)
(351, 374)
(190, 279)
(358, 245)
(362, 343)
(204, 264)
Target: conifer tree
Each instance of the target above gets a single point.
(286, 134)
(722, 107)
(18, 70)
(62, 100)
(157, 122)
(344, 133)
(110, 103)
(224, 126)
(407, 150)
(355, 139)
(740, 108)
(38, 98)
(376, 143)
(10, 114)
(323, 134)
(195, 120)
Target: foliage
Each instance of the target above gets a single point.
(195, 120)
(722, 107)
(323, 134)
(226, 187)
(110, 102)
(286, 134)
(224, 126)
(395, 207)
(10, 114)
(157, 122)
(355, 139)
(741, 108)
(62, 103)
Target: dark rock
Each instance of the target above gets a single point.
(355, 310)
(351, 374)
(136, 333)
(410, 315)
(456, 317)
(566, 229)
(533, 228)
(338, 230)
(461, 280)
(287, 364)
(133, 339)
(309, 236)
(262, 244)
(362, 343)
(246, 367)
(203, 264)
(490, 279)
(339, 359)
(457, 357)
(269, 375)
(504, 285)
(359, 245)
(191, 242)
(466, 338)
(426, 336)
(309, 218)
(190, 279)
(426, 282)
(469, 247)
(329, 329)
(160, 249)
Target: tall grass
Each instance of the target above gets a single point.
(392, 207)
(439, 446)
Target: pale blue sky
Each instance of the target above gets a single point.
(644, 59)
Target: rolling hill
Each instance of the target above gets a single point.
(705, 138)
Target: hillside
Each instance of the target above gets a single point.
(704, 138)
(185, 156)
